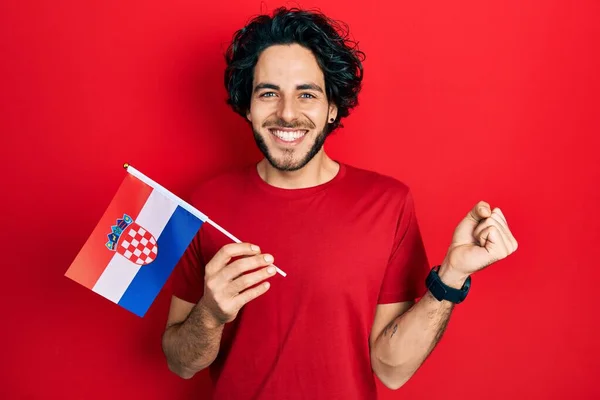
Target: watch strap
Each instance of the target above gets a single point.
(441, 291)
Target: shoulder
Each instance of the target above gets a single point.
(376, 182)
(219, 186)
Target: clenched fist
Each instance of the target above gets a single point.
(226, 284)
(481, 238)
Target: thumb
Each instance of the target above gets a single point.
(465, 230)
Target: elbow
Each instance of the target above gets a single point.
(392, 377)
(182, 371)
(393, 385)
(175, 364)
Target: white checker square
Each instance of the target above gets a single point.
(135, 242)
(144, 241)
(125, 243)
(137, 252)
(142, 231)
(127, 254)
(131, 233)
(146, 251)
(152, 240)
(155, 249)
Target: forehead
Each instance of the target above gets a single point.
(287, 66)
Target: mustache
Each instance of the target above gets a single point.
(278, 122)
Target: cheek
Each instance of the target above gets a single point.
(318, 115)
(259, 111)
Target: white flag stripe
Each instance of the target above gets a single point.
(156, 213)
(120, 271)
(168, 194)
(116, 278)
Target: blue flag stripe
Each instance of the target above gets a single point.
(172, 243)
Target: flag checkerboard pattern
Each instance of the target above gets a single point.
(138, 245)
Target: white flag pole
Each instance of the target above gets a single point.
(188, 207)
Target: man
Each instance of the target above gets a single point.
(347, 238)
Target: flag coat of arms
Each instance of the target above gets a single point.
(134, 248)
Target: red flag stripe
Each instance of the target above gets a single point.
(94, 255)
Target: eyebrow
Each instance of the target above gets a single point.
(304, 86)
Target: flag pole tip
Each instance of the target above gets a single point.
(126, 165)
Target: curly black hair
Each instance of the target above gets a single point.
(337, 55)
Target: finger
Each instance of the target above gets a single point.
(483, 225)
(498, 212)
(238, 267)
(500, 222)
(498, 225)
(227, 252)
(248, 295)
(506, 234)
(479, 212)
(492, 240)
(246, 280)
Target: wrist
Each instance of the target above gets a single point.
(451, 277)
(207, 318)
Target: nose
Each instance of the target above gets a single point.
(286, 109)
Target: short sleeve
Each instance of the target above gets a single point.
(188, 276)
(408, 265)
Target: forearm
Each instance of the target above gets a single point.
(409, 339)
(192, 345)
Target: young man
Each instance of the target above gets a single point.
(348, 240)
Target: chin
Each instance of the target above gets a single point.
(291, 159)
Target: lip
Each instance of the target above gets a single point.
(277, 128)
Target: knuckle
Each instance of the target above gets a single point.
(240, 267)
(222, 252)
(210, 284)
(257, 291)
(245, 281)
(251, 294)
(259, 260)
(228, 249)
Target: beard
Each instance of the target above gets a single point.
(288, 162)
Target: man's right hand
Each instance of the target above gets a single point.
(226, 284)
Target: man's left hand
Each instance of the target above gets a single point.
(482, 238)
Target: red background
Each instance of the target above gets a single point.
(463, 101)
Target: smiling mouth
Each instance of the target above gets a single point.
(288, 135)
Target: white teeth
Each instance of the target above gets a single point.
(289, 136)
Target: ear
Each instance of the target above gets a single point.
(333, 110)
(248, 115)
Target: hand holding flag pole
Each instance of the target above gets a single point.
(186, 206)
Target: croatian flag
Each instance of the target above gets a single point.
(137, 243)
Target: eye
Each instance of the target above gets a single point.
(310, 96)
(267, 94)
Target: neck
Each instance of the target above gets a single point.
(319, 170)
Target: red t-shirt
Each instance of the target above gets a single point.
(346, 246)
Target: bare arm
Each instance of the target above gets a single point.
(482, 238)
(400, 349)
(190, 343)
(193, 335)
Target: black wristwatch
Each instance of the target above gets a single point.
(441, 291)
